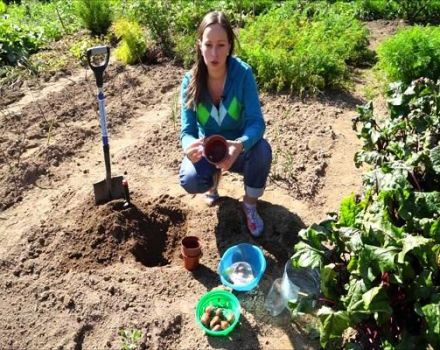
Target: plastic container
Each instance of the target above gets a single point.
(240, 272)
(295, 284)
(223, 299)
(275, 301)
(242, 252)
(191, 262)
(190, 246)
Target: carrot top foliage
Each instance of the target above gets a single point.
(412, 53)
(304, 49)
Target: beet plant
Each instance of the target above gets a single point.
(379, 257)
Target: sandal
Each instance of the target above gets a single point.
(254, 221)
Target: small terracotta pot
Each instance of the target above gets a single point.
(191, 262)
(215, 148)
(190, 246)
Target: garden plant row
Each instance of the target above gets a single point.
(302, 47)
(379, 257)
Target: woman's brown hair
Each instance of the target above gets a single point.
(199, 72)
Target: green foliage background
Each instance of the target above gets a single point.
(412, 53)
(25, 28)
(133, 45)
(306, 49)
(308, 46)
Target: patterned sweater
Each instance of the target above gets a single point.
(238, 116)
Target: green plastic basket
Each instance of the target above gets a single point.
(219, 298)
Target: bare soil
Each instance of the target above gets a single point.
(73, 274)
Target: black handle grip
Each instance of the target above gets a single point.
(98, 69)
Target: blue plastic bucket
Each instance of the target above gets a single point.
(246, 252)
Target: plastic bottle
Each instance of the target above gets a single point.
(281, 292)
(240, 273)
(294, 285)
(274, 302)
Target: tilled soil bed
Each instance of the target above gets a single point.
(73, 274)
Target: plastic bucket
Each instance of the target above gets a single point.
(219, 299)
(243, 252)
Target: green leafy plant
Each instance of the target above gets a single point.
(376, 9)
(27, 27)
(79, 48)
(155, 15)
(130, 338)
(410, 54)
(133, 45)
(379, 257)
(18, 41)
(410, 136)
(184, 49)
(3, 7)
(419, 11)
(295, 48)
(95, 14)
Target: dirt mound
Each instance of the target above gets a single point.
(148, 233)
(101, 268)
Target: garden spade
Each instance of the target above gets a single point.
(112, 187)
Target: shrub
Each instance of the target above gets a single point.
(412, 53)
(184, 49)
(425, 11)
(133, 45)
(376, 9)
(95, 14)
(155, 15)
(414, 11)
(173, 24)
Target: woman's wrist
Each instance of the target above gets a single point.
(239, 144)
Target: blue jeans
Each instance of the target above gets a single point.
(253, 164)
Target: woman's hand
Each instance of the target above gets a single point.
(194, 151)
(234, 150)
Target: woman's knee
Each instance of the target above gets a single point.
(190, 179)
(189, 183)
(261, 153)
